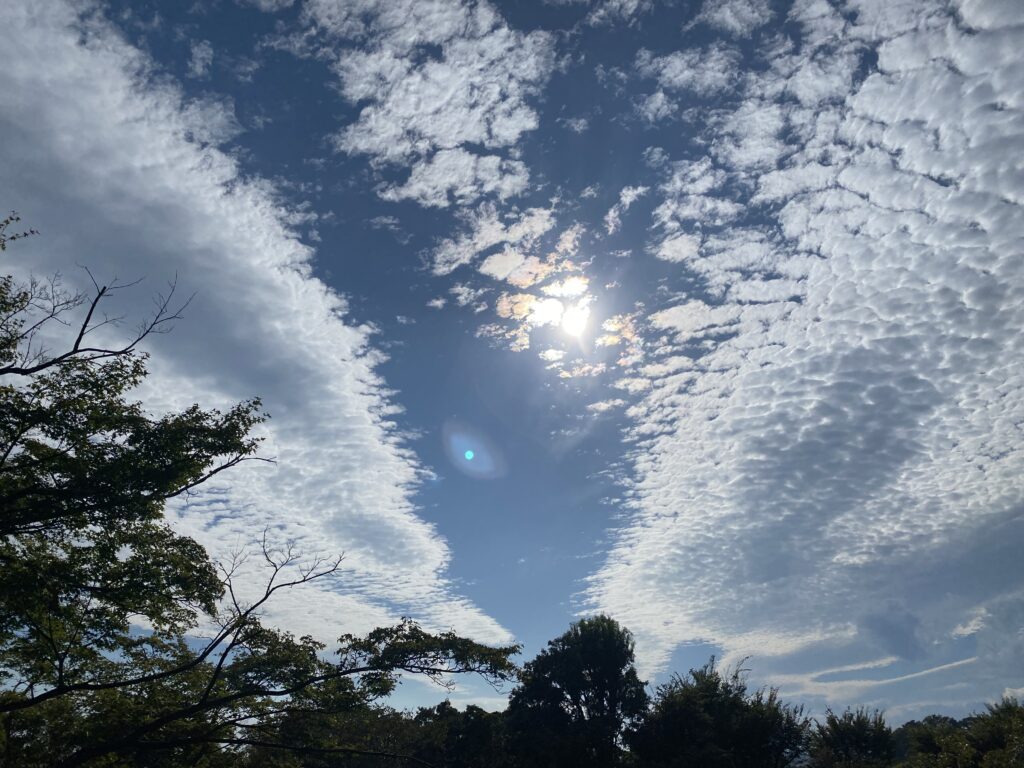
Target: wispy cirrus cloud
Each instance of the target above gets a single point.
(836, 413)
(111, 165)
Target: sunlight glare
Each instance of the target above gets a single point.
(546, 312)
(574, 319)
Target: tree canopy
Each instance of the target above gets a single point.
(709, 718)
(101, 599)
(577, 697)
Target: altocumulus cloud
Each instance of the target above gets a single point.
(113, 167)
(827, 459)
(444, 88)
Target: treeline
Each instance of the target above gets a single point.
(87, 560)
(576, 706)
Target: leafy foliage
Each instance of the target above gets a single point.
(87, 559)
(992, 739)
(855, 739)
(577, 697)
(708, 718)
(84, 475)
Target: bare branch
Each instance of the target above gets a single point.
(33, 360)
(229, 628)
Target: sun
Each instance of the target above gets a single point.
(574, 319)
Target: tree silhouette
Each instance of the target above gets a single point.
(87, 559)
(855, 739)
(577, 697)
(708, 718)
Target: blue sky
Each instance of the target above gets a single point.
(725, 297)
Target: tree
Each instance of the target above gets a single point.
(855, 739)
(577, 697)
(915, 739)
(86, 557)
(998, 734)
(708, 718)
(84, 475)
(451, 738)
(992, 739)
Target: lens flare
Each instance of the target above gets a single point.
(471, 452)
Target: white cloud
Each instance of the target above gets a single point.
(700, 71)
(455, 175)
(840, 416)
(614, 11)
(435, 79)
(210, 121)
(487, 229)
(269, 6)
(571, 286)
(628, 196)
(552, 355)
(569, 241)
(603, 406)
(502, 264)
(750, 138)
(465, 295)
(680, 247)
(200, 59)
(692, 194)
(737, 17)
(104, 161)
(656, 106)
(575, 124)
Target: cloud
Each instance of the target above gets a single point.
(269, 6)
(210, 120)
(604, 406)
(691, 194)
(488, 229)
(465, 296)
(436, 83)
(628, 196)
(455, 175)
(502, 264)
(678, 247)
(552, 355)
(571, 286)
(391, 224)
(837, 414)
(528, 261)
(200, 59)
(574, 124)
(699, 71)
(106, 162)
(737, 17)
(614, 11)
(656, 106)
(519, 270)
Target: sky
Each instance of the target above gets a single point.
(703, 314)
